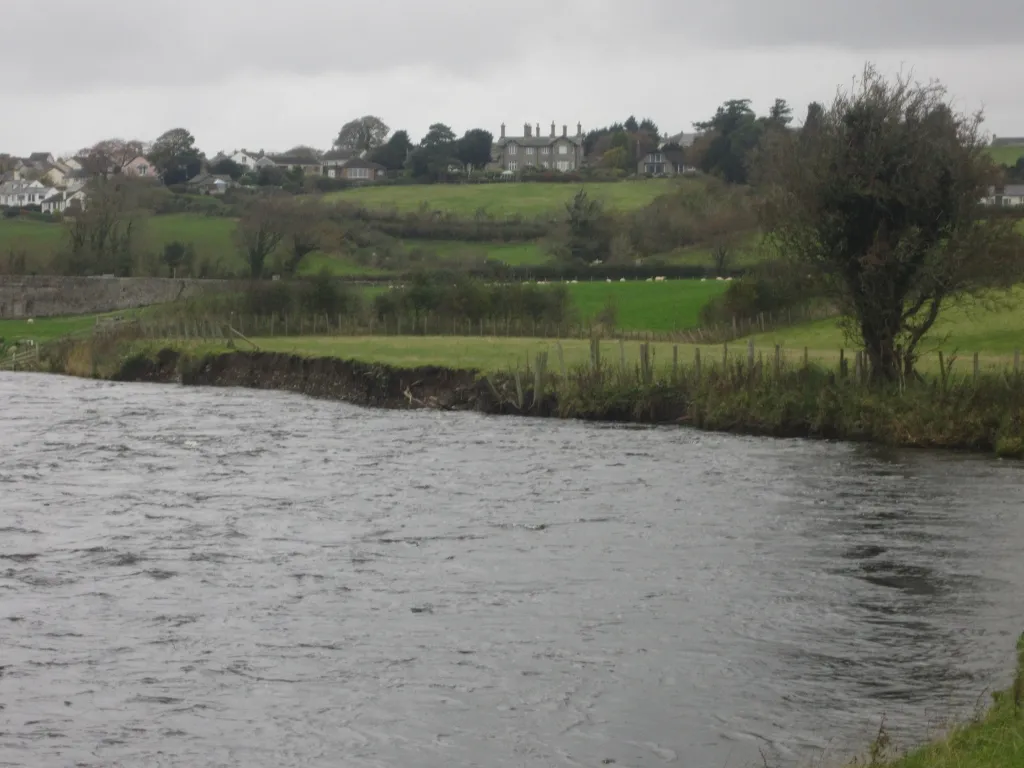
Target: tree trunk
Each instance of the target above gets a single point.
(880, 344)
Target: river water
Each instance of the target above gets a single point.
(213, 577)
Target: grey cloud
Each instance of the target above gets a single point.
(865, 24)
(187, 42)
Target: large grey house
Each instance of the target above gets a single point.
(532, 150)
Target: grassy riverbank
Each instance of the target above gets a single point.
(994, 740)
(628, 383)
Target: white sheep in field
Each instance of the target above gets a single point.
(649, 280)
(607, 279)
(30, 321)
(728, 279)
(622, 279)
(659, 279)
(720, 278)
(575, 281)
(703, 279)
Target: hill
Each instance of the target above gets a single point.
(524, 198)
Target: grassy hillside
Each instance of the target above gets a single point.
(1006, 155)
(528, 199)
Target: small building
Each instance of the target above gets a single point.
(210, 184)
(356, 169)
(310, 165)
(664, 162)
(139, 167)
(61, 202)
(18, 194)
(1008, 196)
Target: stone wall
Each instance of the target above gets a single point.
(43, 296)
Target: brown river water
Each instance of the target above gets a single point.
(215, 577)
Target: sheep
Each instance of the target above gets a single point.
(649, 280)
(659, 279)
(30, 321)
(607, 279)
(622, 279)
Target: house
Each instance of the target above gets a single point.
(664, 162)
(356, 169)
(72, 163)
(265, 162)
(61, 201)
(139, 167)
(309, 164)
(54, 175)
(244, 159)
(40, 159)
(210, 184)
(17, 194)
(683, 140)
(531, 150)
(1010, 196)
(336, 158)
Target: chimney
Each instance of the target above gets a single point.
(552, 129)
(579, 129)
(565, 131)
(503, 130)
(537, 134)
(526, 130)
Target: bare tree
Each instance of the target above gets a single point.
(364, 134)
(104, 236)
(882, 202)
(306, 228)
(259, 232)
(109, 156)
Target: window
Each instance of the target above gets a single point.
(513, 165)
(529, 150)
(545, 164)
(545, 150)
(563, 165)
(563, 149)
(512, 149)
(359, 173)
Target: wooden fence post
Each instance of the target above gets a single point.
(1016, 361)
(696, 363)
(842, 363)
(725, 355)
(675, 363)
(778, 360)
(976, 366)
(750, 355)
(561, 358)
(806, 361)
(622, 355)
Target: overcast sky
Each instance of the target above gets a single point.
(272, 74)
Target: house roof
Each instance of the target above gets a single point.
(537, 141)
(39, 157)
(671, 155)
(1013, 190)
(294, 160)
(683, 139)
(362, 162)
(338, 154)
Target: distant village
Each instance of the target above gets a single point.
(59, 185)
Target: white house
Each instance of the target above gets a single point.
(15, 194)
(1011, 195)
(244, 159)
(59, 202)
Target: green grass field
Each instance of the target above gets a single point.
(642, 306)
(1006, 155)
(993, 327)
(528, 199)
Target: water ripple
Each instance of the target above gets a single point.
(229, 577)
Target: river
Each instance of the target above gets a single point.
(224, 577)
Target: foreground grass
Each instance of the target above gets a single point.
(996, 740)
(499, 199)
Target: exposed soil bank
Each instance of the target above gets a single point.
(366, 384)
(985, 414)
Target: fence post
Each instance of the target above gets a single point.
(975, 367)
(561, 358)
(725, 355)
(696, 362)
(778, 360)
(622, 354)
(842, 363)
(1016, 361)
(750, 355)
(806, 361)
(675, 363)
